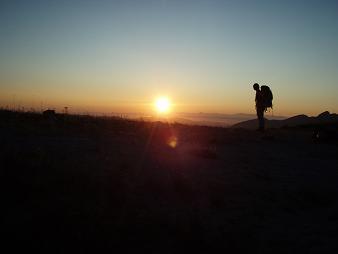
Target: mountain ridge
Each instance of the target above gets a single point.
(297, 120)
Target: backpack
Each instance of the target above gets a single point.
(267, 97)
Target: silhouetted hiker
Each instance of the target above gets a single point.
(260, 107)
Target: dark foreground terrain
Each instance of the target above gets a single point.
(83, 184)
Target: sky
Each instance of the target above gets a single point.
(205, 55)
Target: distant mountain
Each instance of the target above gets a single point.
(322, 118)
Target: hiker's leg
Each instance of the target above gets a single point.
(260, 115)
(262, 121)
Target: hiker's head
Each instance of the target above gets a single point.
(256, 86)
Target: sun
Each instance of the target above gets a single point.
(162, 104)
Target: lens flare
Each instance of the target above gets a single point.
(172, 142)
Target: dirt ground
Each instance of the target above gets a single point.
(83, 184)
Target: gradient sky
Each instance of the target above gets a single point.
(118, 56)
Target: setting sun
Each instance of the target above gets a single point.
(162, 105)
